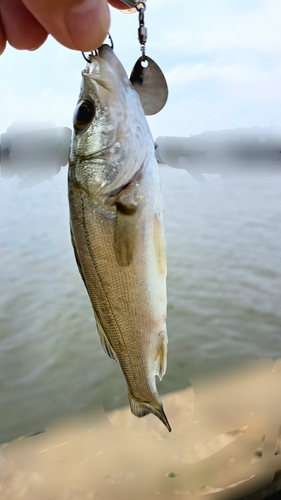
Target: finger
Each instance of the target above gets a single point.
(2, 38)
(21, 29)
(77, 24)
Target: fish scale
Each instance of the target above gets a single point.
(117, 228)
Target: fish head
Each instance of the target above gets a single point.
(110, 129)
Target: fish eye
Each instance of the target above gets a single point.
(83, 115)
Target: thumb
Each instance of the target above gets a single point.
(77, 24)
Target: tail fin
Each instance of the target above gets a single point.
(140, 409)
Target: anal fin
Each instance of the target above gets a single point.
(159, 245)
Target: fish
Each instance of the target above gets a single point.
(116, 225)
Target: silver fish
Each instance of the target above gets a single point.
(117, 228)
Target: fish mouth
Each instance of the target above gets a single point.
(106, 53)
(92, 70)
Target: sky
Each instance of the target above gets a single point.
(222, 61)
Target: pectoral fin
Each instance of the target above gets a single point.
(104, 340)
(125, 229)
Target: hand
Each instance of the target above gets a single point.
(77, 24)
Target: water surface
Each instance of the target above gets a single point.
(224, 293)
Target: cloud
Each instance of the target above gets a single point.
(209, 27)
(222, 63)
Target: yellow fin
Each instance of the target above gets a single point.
(159, 245)
(104, 340)
(161, 358)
